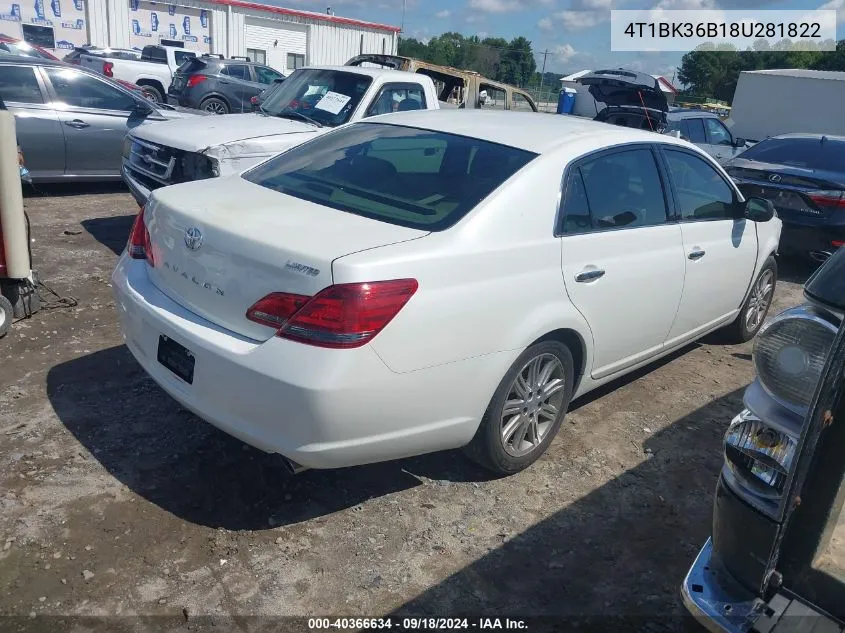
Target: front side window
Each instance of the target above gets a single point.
(80, 90)
(327, 97)
(19, 85)
(702, 193)
(397, 98)
(717, 133)
(401, 175)
(267, 75)
(238, 71)
(618, 190)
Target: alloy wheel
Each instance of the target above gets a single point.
(533, 404)
(761, 297)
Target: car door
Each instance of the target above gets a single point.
(239, 86)
(720, 141)
(94, 115)
(720, 249)
(621, 254)
(38, 129)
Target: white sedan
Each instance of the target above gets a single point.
(428, 281)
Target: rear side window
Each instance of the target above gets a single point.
(618, 190)
(401, 175)
(809, 153)
(702, 193)
(18, 85)
(238, 71)
(154, 54)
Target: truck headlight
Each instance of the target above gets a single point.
(789, 354)
(758, 455)
(199, 167)
(127, 146)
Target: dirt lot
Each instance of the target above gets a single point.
(116, 501)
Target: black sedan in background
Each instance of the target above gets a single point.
(804, 177)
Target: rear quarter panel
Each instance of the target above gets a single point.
(492, 283)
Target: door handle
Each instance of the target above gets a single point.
(696, 254)
(77, 123)
(589, 275)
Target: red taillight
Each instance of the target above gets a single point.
(253, 100)
(828, 198)
(340, 316)
(108, 69)
(139, 245)
(193, 80)
(837, 243)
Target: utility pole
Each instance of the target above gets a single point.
(402, 27)
(542, 75)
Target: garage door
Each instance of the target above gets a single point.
(278, 44)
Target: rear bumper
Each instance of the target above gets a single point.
(803, 241)
(715, 599)
(318, 407)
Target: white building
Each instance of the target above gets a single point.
(282, 38)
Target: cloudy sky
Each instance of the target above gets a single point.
(575, 32)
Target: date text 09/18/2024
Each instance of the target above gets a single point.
(416, 624)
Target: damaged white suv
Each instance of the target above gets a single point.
(310, 102)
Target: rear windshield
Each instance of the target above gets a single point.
(828, 283)
(809, 153)
(407, 176)
(181, 57)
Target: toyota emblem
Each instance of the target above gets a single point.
(775, 178)
(193, 238)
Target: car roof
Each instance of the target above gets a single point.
(399, 75)
(532, 131)
(807, 136)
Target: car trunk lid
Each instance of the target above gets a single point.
(185, 70)
(796, 192)
(220, 248)
(627, 91)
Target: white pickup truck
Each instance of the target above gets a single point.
(154, 71)
(311, 101)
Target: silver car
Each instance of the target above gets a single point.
(71, 122)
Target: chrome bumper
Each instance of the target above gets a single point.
(138, 191)
(715, 599)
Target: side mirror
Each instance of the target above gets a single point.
(758, 210)
(739, 142)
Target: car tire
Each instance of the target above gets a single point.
(215, 106)
(7, 313)
(152, 93)
(753, 312)
(509, 440)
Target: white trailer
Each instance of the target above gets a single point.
(771, 102)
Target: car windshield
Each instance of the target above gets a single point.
(327, 97)
(407, 176)
(808, 153)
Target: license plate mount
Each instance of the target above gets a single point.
(177, 358)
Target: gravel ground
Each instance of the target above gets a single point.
(115, 501)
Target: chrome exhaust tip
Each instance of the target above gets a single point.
(820, 256)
